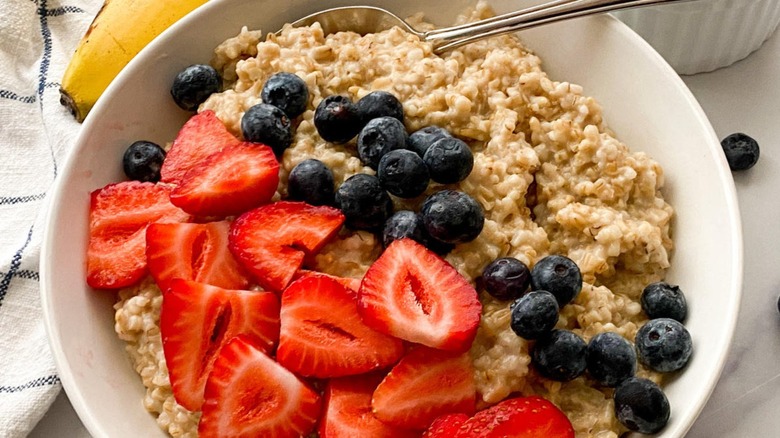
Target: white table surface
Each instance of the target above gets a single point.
(744, 97)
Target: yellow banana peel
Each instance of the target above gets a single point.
(119, 31)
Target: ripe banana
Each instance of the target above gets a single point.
(119, 31)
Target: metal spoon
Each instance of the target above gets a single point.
(370, 19)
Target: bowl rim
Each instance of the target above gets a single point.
(65, 369)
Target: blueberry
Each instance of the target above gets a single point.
(380, 104)
(560, 355)
(534, 314)
(419, 141)
(267, 124)
(311, 181)
(741, 151)
(142, 161)
(559, 275)
(641, 405)
(193, 85)
(287, 92)
(452, 216)
(611, 359)
(663, 300)
(449, 160)
(505, 278)
(378, 137)
(403, 223)
(365, 204)
(403, 173)
(664, 345)
(336, 119)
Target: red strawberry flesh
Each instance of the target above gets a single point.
(197, 320)
(413, 294)
(322, 334)
(249, 394)
(526, 417)
(446, 426)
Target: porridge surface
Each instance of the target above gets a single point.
(549, 174)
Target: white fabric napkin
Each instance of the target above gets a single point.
(37, 39)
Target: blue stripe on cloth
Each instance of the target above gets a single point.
(41, 381)
(62, 10)
(43, 14)
(13, 200)
(7, 94)
(28, 275)
(14, 268)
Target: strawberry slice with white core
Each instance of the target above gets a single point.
(197, 252)
(322, 334)
(415, 295)
(118, 216)
(271, 241)
(201, 136)
(229, 182)
(250, 395)
(197, 320)
(425, 384)
(348, 413)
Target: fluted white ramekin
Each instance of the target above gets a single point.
(705, 35)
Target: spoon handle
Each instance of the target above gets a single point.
(556, 10)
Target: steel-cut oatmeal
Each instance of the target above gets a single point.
(549, 174)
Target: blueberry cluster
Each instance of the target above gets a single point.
(663, 344)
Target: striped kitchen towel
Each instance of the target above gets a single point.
(37, 38)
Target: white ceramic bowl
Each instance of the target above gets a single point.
(644, 101)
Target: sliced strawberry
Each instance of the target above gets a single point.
(118, 216)
(197, 320)
(352, 283)
(446, 426)
(229, 182)
(250, 395)
(196, 252)
(203, 134)
(271, 241)
(526, 417)
(425, 384)
(322, 334)
(347, 412)
(413, 294)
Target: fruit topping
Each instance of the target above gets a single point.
(197, 252)
(561, 355)
(419, 141)
(558, 275)
(267, 124)
(404, 223)
(611, 359)
(403, 173)
(311, 181)
(452, 216)
(415, 295)
(534, 315)
(337, 119)
(322, 334)
(641, 406)
(526, 417)
(197, 320)
(348, 412)
(378, 137)
(449, 160)
(380, 104)
(446, 426)
(664, 345)
(286, 91)
(663, 300)
(248, 394)
(741, 151)
(142, 161)
(424, 385)
(118, 216)
(202, 135)
(365, 204)
(229, 182)
(193, 85)
(271, 241)
(505, 278)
